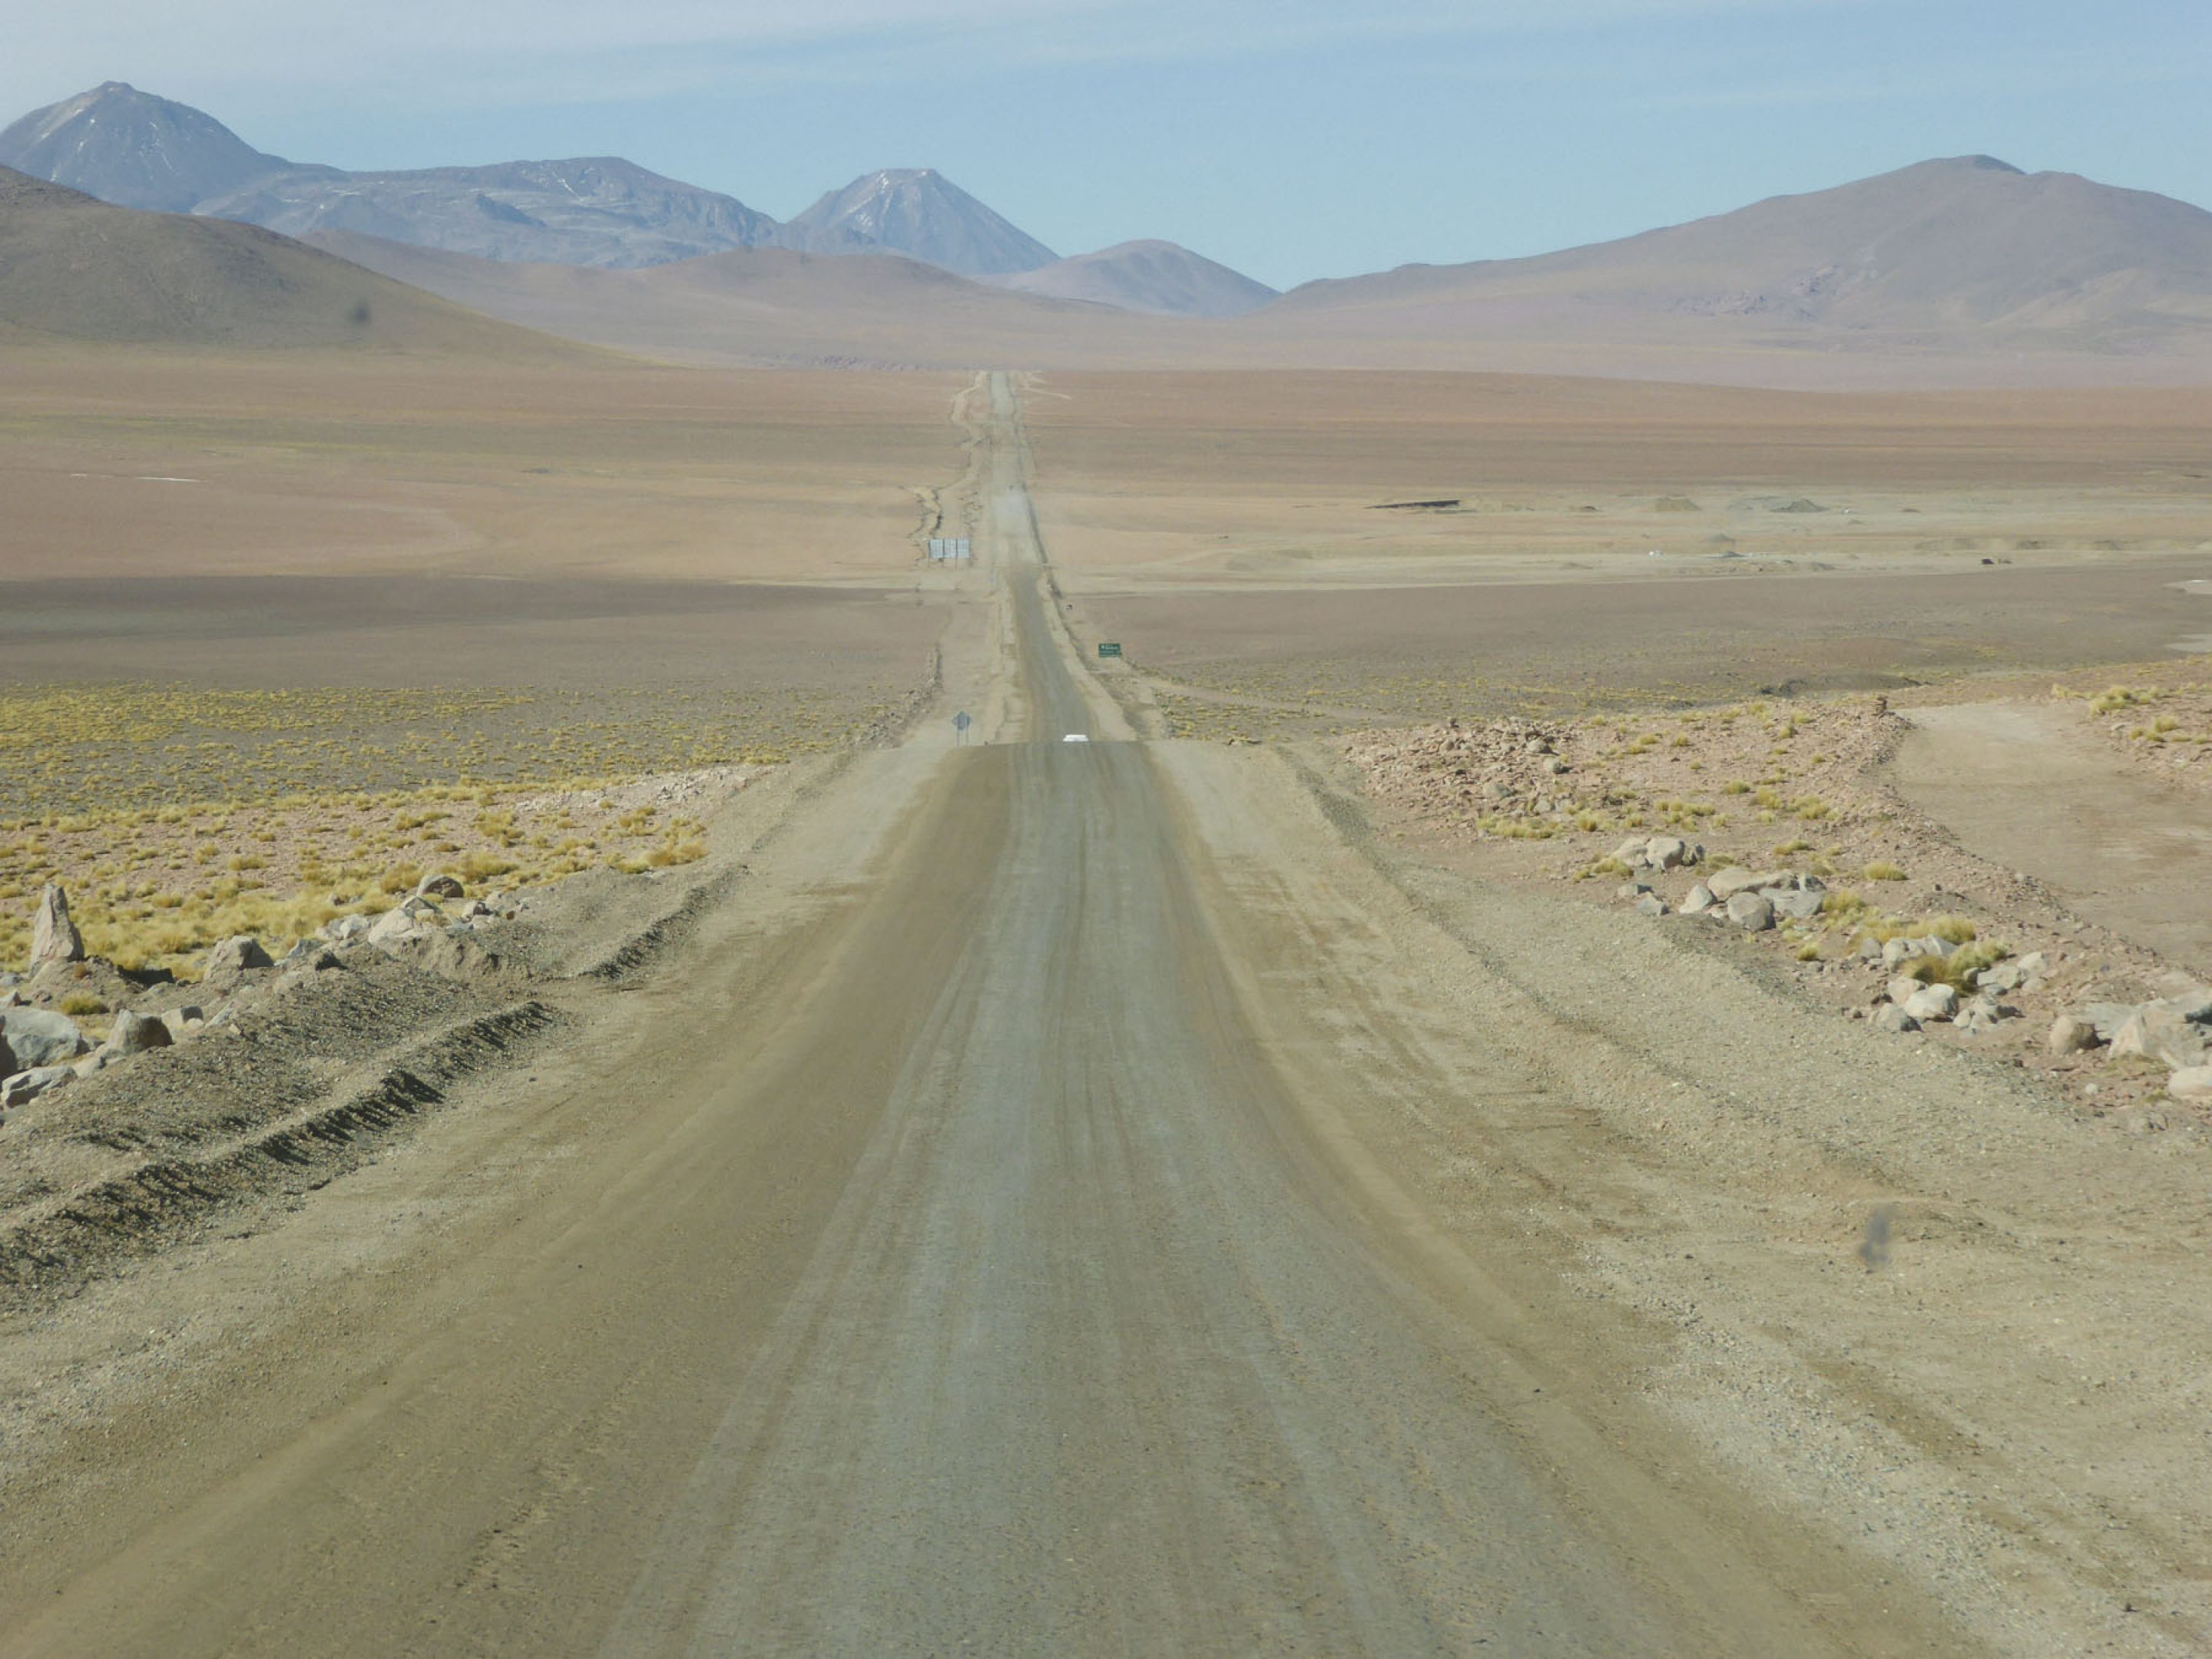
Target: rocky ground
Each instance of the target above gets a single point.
(138, 1102)
(1771, 823)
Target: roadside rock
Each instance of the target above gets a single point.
(1932, 1002)
(2070, 1035)
(2190, 1082)
(1894, 1019)
(1799, 905)
(1752, 912)
(230, 961)
(25, 1087)
(2106, 1018)
(135, 1033)
(1671, 853)
(439, 885)
(1651, 905)
(34, 1037)
(1699, 901)
(411, 916)
(1726, 884)
(54, 936)
(346, 928)
(2159, 1031)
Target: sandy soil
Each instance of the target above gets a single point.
(2030, 785)
(154, 465)
(1281, 662)
(1225, 479)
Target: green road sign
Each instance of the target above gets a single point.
(1109, 647)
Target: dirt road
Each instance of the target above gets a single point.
(953, 1254)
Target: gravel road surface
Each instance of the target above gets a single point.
(939, 1259)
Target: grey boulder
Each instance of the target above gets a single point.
(1752, 912)
(1932, 1002)
(2160, 1031)
(1799, 904)
(54, 936)
(25, 1087)
(2070, 1035)
(32, 1037)
(134, 1034)
(230, 961)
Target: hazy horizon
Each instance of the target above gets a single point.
(1286, 142)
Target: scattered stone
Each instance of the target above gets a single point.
(1932, 1002)
(1671, 851)
(1798, 906)
(230, 961)
(2108, 1018)
(25, 1087)
(1699, 901)
(1632, 852)
(1894, 1019)
(54, 936)
(2190, 1082)
(1752, 912)
(1651, 905)
(1981, 1014)
(1556, 767)
(34, 1037)
(2070, 1035)
(345, 928)
(98, 1061)
(439, 885)
(392, 926)
(135, 1033)
(1631, 890)
(2159, 1031)
(1726, 884)
(2194, 1004)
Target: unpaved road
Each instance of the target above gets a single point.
(957, 1252)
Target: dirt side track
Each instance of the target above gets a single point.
(1068, 1199)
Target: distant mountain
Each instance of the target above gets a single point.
(1953, 249)
(921, 214)
(1158, 277)
(598, 210)
(134, 149)
(777, 307)
(78, 270)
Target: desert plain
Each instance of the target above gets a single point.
(1300, 1169)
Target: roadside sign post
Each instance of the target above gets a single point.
(960, 725)
(1109, 647)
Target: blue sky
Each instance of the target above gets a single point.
(1291, 139)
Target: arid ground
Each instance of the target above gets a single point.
(1152, 1193)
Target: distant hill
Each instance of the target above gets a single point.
(597, 210)
(75, 268)
(921, 214)
(136, 150)
(1966, 253)
(775, 306)
(132, 148)
(1158, 277)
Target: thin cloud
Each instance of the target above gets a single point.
(565, 51)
